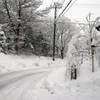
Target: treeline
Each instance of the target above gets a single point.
(28, 30)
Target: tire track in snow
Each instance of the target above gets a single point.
(11, 81)
(15, 86)
(19, 90)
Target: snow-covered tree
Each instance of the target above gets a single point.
(65, 31)
(91, 33)
(78, 48)
(2, 40)
(20, 13)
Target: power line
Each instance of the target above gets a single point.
(65, 8)
(80, 4)
(69, 7)
(86, 5)
(61, 4)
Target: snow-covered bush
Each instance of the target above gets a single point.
(76, 47)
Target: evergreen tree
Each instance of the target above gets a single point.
(19, 13)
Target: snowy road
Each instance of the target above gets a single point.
(20, 85)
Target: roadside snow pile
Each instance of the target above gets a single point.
(15, 62)
(87, 83)
(56, 80)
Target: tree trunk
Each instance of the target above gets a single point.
(92, 54)
(17, 39)
(57, 49)
(18, 29)
(73, 72)
(62, 54)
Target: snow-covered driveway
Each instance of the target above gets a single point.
(19, 85)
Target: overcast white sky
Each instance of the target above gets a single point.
(80, 9)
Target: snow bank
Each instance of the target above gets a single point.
(56, 80)
(15, 63)
(56, 84)
(87, 83)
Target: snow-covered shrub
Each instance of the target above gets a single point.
(76, 46)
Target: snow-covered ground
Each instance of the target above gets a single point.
(52, 85)
(16, 63)
(86, 87)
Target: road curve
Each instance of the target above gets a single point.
(17, 85)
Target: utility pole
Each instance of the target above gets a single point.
(54, 35)
(56, 6)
